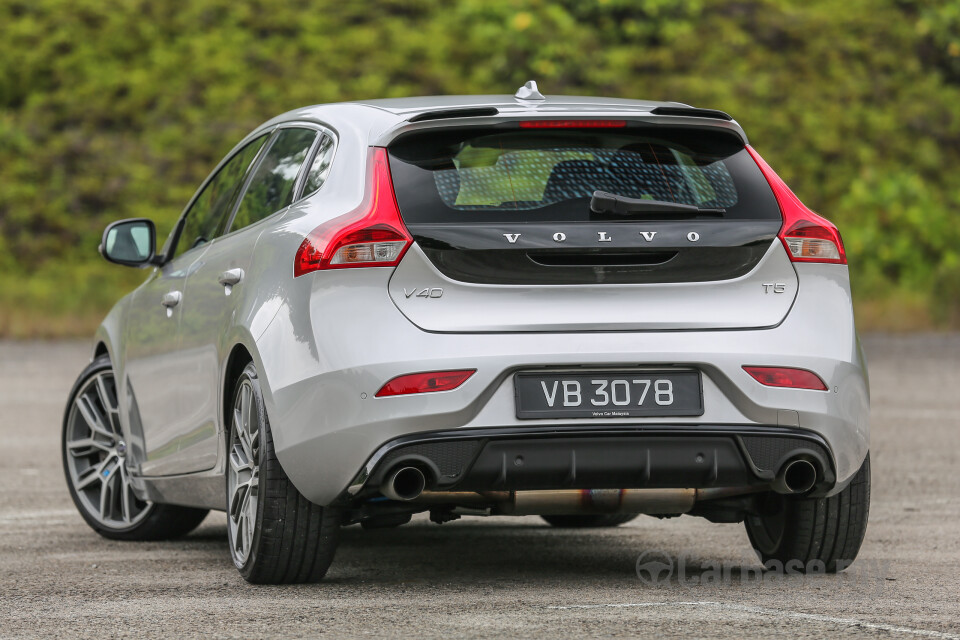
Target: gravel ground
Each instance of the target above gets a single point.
(498, 576)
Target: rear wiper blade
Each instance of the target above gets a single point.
(611, 203)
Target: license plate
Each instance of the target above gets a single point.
(610, 394)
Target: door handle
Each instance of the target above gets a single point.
(231, 277)
(172, 299)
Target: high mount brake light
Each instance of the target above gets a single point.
(806, 236)
(572, 124)
(786, 377)
(425, 382)
(372, 235)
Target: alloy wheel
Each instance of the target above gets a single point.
(96, 453)
(243, 474)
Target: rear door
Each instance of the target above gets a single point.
(221, 286)
(160, 368)
(509, 236)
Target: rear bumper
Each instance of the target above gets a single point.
(596, 457)
(320, 374)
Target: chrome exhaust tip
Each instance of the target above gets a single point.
(404, 484)
(796, 476)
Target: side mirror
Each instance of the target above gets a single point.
(130, 242)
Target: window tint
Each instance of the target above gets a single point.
(271, 187)
(500, 176)
(320, 166)
(207, 217)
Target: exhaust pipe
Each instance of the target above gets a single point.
(796, 476)
(404, 484)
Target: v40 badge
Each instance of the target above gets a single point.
(426, 292)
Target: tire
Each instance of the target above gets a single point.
(590, 521)
(93, 455)
(276, 535)
(813, 534)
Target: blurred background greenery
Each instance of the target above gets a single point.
(119, 108)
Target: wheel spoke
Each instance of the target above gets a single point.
(239, 461)
(86, 443)
(237, 501)
(243, 522)
(105, 399)
(245, 445)
(247, 529)
(245, 398)
(92, 417)
(125, 490)
(106, 497)
(92, 475)
(237, 420)
(253, 435)
(238, 539)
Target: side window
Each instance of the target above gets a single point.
(271, 187)
(208, 215)
(320, 166)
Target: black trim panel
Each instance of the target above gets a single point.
(596, 457)
(443, 114)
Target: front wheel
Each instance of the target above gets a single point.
(813, 534)
(276, 535)
(94, 462)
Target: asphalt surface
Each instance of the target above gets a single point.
(496, 577)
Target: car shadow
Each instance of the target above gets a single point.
(491, 552)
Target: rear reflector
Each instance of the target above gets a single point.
(425, 382)
(807, 237)
(372, 235)
(786, 377)
(572, 124)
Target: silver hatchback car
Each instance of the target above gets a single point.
(579, 308)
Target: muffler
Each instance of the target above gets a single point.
(404, 484)
(796, 476)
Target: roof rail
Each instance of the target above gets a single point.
(470, 112)
(691, 112)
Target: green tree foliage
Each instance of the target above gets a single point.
(119, 108)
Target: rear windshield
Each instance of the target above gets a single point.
(471, 175)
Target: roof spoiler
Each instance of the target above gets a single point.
(691, 112)
(470, 112)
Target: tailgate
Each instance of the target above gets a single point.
(512, 235)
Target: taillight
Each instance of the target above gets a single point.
(372, 235)
(807, 237)
(786, 377)
(425, 382)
